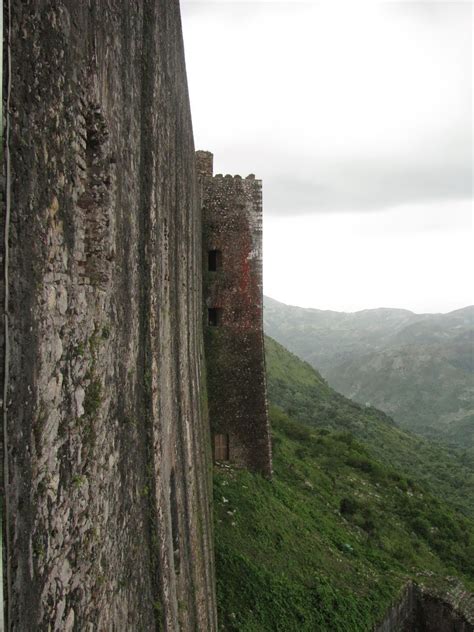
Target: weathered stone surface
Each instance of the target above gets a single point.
(108, 458)
(422, 609)
(235, 359)
(401, 616)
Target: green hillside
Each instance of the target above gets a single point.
(302, 393)
(392, 359)
(331, 540)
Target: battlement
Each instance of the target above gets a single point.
(221, 176)
(205, 168)
(233, 317)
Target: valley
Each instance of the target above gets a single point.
(392, 359)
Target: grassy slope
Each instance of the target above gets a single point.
(301, 392)
(402, 381)
(330, 541)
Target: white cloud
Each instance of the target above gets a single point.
(344, 108)
(299, 86)
(352, 261)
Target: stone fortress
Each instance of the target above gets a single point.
(106, 459)
(128, 270)
(106, 443)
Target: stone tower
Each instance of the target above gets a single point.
(233, 317)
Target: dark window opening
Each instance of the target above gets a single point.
(214, 316)
(221, 447)
(214, 260)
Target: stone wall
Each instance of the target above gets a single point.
(422, 609)
(401, 616)
(235, 359)
(108, 465)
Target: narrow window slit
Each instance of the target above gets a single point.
(214, 260)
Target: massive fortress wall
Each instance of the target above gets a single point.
(107, 483)
(233, 317)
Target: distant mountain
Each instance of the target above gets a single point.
(418, 368)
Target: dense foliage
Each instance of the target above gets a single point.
(303, 394)
(328, 544)
(331, 540)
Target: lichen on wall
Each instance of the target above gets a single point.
(108, 450)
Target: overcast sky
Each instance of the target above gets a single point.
(358, 119)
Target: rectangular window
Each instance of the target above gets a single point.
(214, 260)
(214, 316)
(221, 447)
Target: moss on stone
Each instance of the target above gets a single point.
(93, 397)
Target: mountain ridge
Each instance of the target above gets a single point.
(392, 359)
(467, 308)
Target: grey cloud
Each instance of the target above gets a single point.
(364, 185)
(413, 147)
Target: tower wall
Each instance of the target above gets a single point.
(234, 344)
